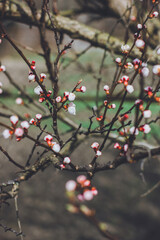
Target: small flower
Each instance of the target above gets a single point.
(2, 68)
(95, 145)
(19, 132)
(81, 89)
(31, 77)
(147, 113)
(145, 71)
(58, 99)
(32, 121)
(123, 118)
(139, 26)
(72, 108)
(138, 102)
(129, 65)
(98, 153)
(56, 147)
(48, 138)
(88, 195)
(105, 102)
(136, 63)
(134, 131)
(38, 116)
(117, 146)
(148, 90)
(66, 94)
(14, 119)
(6, 133)
(155, 14)
(25, 124)
(124, 79)
(125, 48)
(106, 88)
(140, 44)
(19, 101)
(118, 60)
(38, 90)
(112, 106)
(145, 128)
(66, 160)
(71, 97)
(156, 70)
(71, 186)
(99, 118)
(130, 89)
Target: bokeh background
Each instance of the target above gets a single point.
(42, 200)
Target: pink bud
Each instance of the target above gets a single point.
(136, 61)
(117, 146)
(38, 90)
(125, 78)
(48, 138)
(2, 68)
(106, 88)
(145, 128)
(138, 101)
(32, 121)
(58, 99)
(155, 14)
(43, 75)
(81, 179)
(66, 94)
(113, 106)
(83, 89)
(80, 197)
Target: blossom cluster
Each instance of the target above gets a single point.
(81, 188)
(53, 145)
(19, 132)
